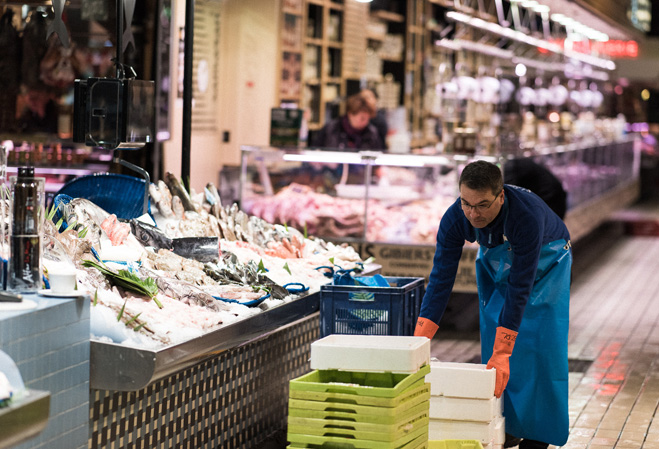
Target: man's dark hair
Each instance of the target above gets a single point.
(482, 175)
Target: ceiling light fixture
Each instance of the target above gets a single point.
(530, 40)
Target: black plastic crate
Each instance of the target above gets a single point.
(357, 309)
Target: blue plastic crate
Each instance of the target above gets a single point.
(117, 194)
(362, 310)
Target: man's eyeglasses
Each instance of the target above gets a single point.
(482, 207)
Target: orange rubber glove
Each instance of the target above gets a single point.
(425, 328)
(504, 341)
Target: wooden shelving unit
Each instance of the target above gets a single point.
(393, 47)
(313, 63)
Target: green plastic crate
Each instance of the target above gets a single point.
(358, 430)
(358, 413)
(383, 385)
(455, 444)
(412, 441)
(407, 399)
(418, 443)
(374, 401)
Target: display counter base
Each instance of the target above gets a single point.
(235, 399)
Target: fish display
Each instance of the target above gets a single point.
(212, 264)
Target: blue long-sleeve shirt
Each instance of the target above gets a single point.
(527, 223)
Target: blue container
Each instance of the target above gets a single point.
(117, 194)
(362, 310)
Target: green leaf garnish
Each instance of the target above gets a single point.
(95, 297)
(127, 280)
(261, 267)
(53, 210)
(121, 312)
(133, 319)
(287, 269)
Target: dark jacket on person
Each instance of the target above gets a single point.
(338, 134)
(380, 123)
(525, 172)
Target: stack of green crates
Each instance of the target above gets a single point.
(360, 410)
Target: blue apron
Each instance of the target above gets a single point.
(536, 397)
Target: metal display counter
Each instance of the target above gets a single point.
(122, 368)
(228, 388)
(24, 419)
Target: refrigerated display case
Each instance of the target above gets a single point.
(353, 196)
(389, 206)
(599, 177)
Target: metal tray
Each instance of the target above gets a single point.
(120, 368)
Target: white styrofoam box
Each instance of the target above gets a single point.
(370, 353)
(465, 409)
(493, 432)
(462, 380)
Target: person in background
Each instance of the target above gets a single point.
(523, 278)
(353, 130)
(525, 172)
(379, 120)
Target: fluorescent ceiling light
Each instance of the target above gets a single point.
(530, 40)
(460, 44)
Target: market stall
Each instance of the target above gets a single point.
(184, 351)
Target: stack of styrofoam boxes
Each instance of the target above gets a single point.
(463, 405)
(366, 391)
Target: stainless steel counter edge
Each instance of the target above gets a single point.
(24, 419)
(115, 367)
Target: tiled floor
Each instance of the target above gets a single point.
(613, 343)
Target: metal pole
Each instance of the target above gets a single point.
(188, 44)
(120, 34)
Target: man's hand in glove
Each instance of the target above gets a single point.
(425, 328)
(504, 341)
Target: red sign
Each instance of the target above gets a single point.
(611, 48)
